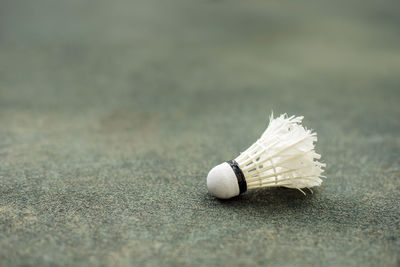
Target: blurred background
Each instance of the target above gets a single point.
(112, 113)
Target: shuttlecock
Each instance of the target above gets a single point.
(283, 156)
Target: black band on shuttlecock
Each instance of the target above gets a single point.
(239, 175)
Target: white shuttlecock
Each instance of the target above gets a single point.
(283, 156)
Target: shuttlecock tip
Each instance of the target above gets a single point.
(222, 182)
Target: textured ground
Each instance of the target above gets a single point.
(112, 113)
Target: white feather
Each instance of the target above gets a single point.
(283, 156)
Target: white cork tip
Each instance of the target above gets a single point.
(222, 182)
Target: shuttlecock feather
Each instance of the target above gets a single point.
(284, 155)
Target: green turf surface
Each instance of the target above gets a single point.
(113, 112)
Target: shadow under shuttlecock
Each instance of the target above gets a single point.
(277, 195)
